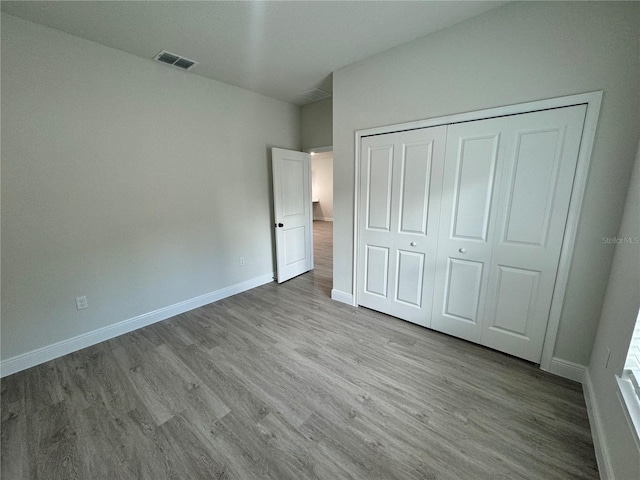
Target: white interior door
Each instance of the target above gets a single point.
(293, 216)
(400, 181)
(506, 192)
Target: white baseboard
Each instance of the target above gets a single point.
(597, 433)
(343, 297)
(323, 219)
(564, 368)
(44, 354)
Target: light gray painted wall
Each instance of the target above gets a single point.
(619, 313)
(322, 185)
(522, 52)
(316, 124)
(124, 180)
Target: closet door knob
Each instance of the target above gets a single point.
(413, 244)
(462, 250)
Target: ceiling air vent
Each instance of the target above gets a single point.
(174, 60)
(315, 94)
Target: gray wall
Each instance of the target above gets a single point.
(135, 184)
(316, 124)
(521, 52)
(619, 313)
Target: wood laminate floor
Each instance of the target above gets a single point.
(281, 383)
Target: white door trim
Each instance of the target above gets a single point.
(593, 101)
(328, 148)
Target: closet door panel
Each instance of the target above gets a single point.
(379, 170)
(516, 292)
(539, 169)
(473, 186)
(471, 174)
(376, 271)
(410, 275)
(462, 290)
(506, 192)
(376, 267)
(531, 187)
(414, 189)
(400, 186)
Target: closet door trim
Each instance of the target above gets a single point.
(592, 100)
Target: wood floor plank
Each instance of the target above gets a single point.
(13, 434)
(156, 457)
(293, 450)
(231, 390)
(239, 441)
(52, 443)
(191, 457)
(118, 456)
(281, 383)
(150, 382)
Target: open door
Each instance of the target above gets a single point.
(293, 217)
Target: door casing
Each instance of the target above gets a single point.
(593, 101)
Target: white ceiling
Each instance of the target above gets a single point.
(277, 48)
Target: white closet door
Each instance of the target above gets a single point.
(471, 174)
(535, 191)
(506, 191)
(400, 187)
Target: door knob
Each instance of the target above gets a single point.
(281, 224)
(413, 244)
(462, 250)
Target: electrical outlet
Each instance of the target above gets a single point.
(81, 303)
(242, 261)
(606, 363)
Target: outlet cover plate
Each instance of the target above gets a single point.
(81, 303)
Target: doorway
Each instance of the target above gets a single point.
(322, 185)
(322, 207)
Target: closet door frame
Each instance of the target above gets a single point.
(592, 100)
